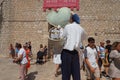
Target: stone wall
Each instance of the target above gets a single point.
(24, 20)
(101, 18)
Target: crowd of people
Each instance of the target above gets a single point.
(22, 55)
(98, 60)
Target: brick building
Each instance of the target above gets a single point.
(24, 20)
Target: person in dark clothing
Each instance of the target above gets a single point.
(107, 52)
(40, 55)
(45, 53)
(108, 46)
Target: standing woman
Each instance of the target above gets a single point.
(40, 55)
(16, 50)
(106, 60)
(22, 61)
(27, 56)
(11, 51)
(114, 71)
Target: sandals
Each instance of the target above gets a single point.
(56, 74)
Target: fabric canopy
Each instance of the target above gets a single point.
(60, 3)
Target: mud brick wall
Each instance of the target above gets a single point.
(24, 20)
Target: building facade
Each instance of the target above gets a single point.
(24, 20)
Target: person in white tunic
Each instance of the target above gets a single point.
(91, 60)
(22, 61)
(74, 35)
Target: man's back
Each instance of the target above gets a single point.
(75, 35)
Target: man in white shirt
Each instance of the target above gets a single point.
(91, 60)
(74, 35)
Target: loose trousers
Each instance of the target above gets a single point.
(22, 71)
(70, 65)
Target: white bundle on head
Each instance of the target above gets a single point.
(60, 17)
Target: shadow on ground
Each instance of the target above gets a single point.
(31, 76)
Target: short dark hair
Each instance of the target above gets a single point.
(19, 45)
(108, 41)
(91, 39)
(41, 45)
